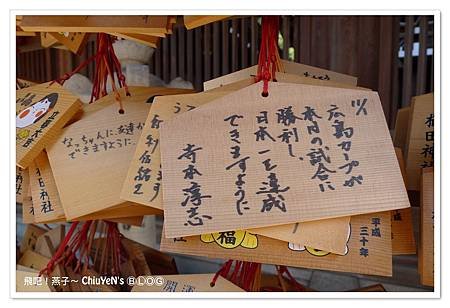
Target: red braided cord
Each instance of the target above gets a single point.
(106, 65)
(50, 265)
(223, 271)
(83, 64)
(268, 62)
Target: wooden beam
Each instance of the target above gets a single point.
(144, 24)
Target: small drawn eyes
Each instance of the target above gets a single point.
(39, 113)
(24, 113)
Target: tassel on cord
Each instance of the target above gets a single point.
(107, 66)
(247, 275)
(76, 247)
(269, 61)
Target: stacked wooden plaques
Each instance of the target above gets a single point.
(293, 178)
(72, 32)
(72, 161)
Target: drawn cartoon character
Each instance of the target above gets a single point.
(231, 239)
(318, 252)
(35, 112)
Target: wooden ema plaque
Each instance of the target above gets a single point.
(330, 235)
(22, 183)
(369, 248)
(245, 161)
(426, 242)
(419, 151)
(145, 24)
(27, 206)
(290, 68)
(403, 241)
(74, 41)
(47, 40)
(147, 156)
(23, 83)
(194, 21)
(46, 204)
(41, 112)
(30, 237)
(143, 181)
(90, 159)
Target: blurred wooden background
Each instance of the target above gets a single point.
(390, 54)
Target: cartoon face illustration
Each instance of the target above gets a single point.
(35, 112)
(318, 252)
(231, 239)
